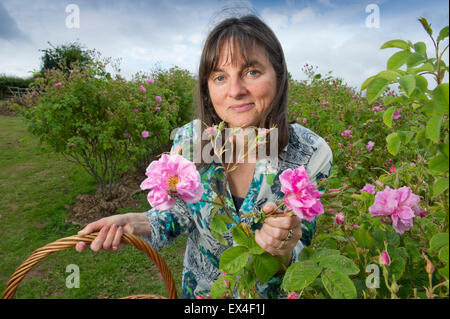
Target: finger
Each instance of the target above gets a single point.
(288, 222)
(269, 207)
(267, 242)
(110, 237)
(276, 232)
(98, 242)
(94, 226)
(117, 239)
(81, 246)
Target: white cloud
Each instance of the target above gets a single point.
(303, 15)
(274, 20)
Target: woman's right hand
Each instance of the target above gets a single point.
(110, 233)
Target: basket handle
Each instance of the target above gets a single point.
(69, 242)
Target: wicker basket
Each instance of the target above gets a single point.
(69, 242)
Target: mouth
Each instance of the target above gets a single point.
(242, 107)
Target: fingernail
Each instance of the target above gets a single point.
(114, 248)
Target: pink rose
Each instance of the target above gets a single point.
(346, 133)
(170, 177)
(400, 205)
(368, 188)
(57, 84)
(384, 258)
(293, 295)
(300, 195)
(340, 218)
(370, 145)
(158, 98)
(377, 108)
(392, 169)
(145, 134)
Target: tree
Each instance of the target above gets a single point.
(63, 56)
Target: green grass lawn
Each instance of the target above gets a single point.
(35, 187)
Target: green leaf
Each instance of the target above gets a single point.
(443, 34)
(439, 163)
(421, 48)
(444, 149)
(414, 59)
(408, 83)
(440, 97)
(389, 75)
(397, 60)
(340, 263)
(218, 224)
(222, 286)
(426, 67)
(401, 44)
(376, 88)
(367, 82)
(426, 26)
(338, 285)
(405, 136)
(421, 83)
(364, 238)
(240, 237)
(438, 241)
(443, 254)
(393, 143)
(266, 266)
(324, 252)
(380, 237)
(219, 237)
(433, 128)
(398, 261)
(444, 272)
(253, 247)
(393, 239)
(300, 275)
(387, 116)
(234, 259)
(440, 186)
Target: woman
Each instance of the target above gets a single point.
(243, 81)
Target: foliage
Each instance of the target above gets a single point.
(107, 124)
(410, 136)
(63, 57)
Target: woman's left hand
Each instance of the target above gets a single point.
(280, 234)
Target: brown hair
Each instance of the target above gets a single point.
(249, 34)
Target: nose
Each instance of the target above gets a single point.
(237, 87)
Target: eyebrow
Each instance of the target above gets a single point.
(243, 66)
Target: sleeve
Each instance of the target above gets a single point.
(166, 226)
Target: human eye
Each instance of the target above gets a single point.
(218, 78)
(253, 73)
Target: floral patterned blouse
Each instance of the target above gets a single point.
(203, 251)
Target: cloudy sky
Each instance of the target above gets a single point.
(341, 36)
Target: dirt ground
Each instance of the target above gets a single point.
(89, 208)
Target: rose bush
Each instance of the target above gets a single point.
(106, 124)
(389, 204)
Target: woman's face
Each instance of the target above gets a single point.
(241, 93)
